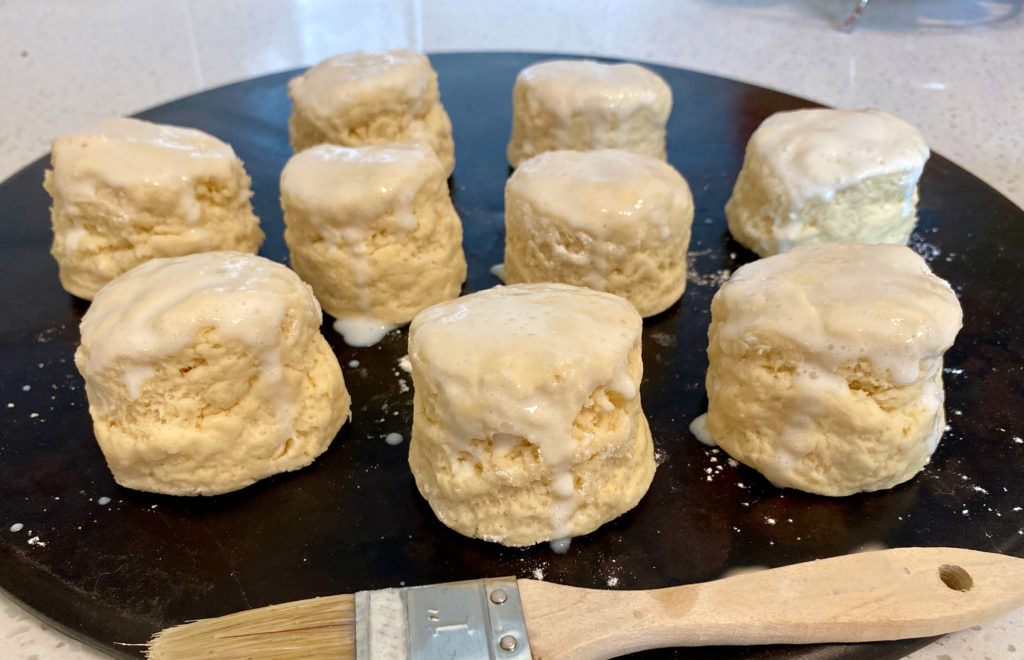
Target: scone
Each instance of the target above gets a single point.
(527, 424)
(374, 232)
(357, 99)
(825, 366)
(610, 220)
(827, 176)
(126, 191)
(208, 372)
(582, 105)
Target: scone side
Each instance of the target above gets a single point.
(392, 116)
(763, 217)
(217, 412)
(406, 271)
(501, 491)
(860, 432)
(96, 238)
(651, 274)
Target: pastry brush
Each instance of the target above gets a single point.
(871, 596)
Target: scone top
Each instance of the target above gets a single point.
(355, 186)
(844, 302)
(158, 308)
(124, 152)
(815, 152)
(582, 86)
(352, 80)
(607, 193)
(524, 359)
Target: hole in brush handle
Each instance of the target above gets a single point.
(955, 577)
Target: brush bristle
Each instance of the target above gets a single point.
(314, 628)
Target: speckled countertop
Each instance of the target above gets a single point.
(954, 68)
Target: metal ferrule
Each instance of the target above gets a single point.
(471, 620)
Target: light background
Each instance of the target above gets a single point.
(954, 68)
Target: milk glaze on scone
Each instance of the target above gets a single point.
(527, 424)
(125, 191)
(827, 176)
(582, 105)
(825, 366)
(357, 99)
(374, 232)
(609, 220)
(208, 372)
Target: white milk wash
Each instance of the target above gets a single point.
(816, 153)
(604, 195)
(843, 303)
(122, 153)
(163, 304)
(606, 94)
(362, 332)
(538, 359)
(350, 193)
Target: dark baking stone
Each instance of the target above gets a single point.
(114, 574)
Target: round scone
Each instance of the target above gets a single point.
(580, 104)
(356, 99)
(126, 191)
(374, 232)
(527, 424)
(610, 220)
(208, 372)
(827, 176)
(825, 366)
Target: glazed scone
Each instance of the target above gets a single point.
(610, 220)
(208, 372)
(358, 99)
(126, 191)
(827, 176)
(581, 105)
(374, 232)
(527, 424)
(825, 366)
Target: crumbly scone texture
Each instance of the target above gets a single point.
(99, 235)
(379, 270)
(556, 110)
(325, 110)
(503, 494)
(216, 414)
(608, 234)
(831, 398)
(488, 473)
(827, 176)
(871, 211)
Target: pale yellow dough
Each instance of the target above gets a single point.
(527, 424)
(373, 230)
(825, 366)
(208, 372)
(357, 99)
(827, 176)
(126, 191)
(582, 105)
(610, 220)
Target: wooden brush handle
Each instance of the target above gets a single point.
(887, 594)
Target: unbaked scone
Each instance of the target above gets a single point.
(825, 366)
(356, 99)
(610, 220)
(827, 176)
(374, 232)
(580, 104)
(126, 191)
(208, 372)
(527, 424)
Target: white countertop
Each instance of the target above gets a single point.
(953, 68)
